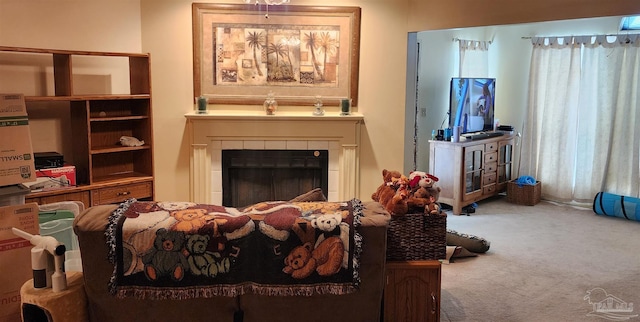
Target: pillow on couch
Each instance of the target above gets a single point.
(470, 242)
(313, 195)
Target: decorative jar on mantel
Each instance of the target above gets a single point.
(270, 104)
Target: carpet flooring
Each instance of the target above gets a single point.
(543, 261)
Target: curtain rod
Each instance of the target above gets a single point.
(609, 35)
(458, 39)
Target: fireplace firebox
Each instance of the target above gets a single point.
(252, 176)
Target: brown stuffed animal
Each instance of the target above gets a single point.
(326, 258)
(389, 179)
(392, 194)
(418, 199)
(395, 201)
(433, 207)
(300, 263)
(328, 255)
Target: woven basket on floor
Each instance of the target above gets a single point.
(528, 195)
(417, 236)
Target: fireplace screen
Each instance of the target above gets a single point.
(252, 176)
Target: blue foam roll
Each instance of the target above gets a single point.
(608, 204)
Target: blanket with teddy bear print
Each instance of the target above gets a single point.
(181, 250)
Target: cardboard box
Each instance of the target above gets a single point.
(16, 153)
(54, 178)
(15, 256)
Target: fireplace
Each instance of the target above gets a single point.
(252, 176)
(218, 131)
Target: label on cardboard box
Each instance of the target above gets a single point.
(16, 154)
(15, 256)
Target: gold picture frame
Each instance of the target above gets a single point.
(241, 52)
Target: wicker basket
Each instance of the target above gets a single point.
(528, 195)
(417, 237)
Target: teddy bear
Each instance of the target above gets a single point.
(329, 224)
(421, 179)
(166, 257)
(418, 199)
(300, 262)
(204, 262)
(332, 225)
(395, 201)
(328, 255)
(392, 194)
(325, 259)
(189, 220)
(390, 178)
(433, 207)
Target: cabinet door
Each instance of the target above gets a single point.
(412, 293)
(505, 161)
(473, 167)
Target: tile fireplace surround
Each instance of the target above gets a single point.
(222, 130)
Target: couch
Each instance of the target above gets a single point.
(362, 305)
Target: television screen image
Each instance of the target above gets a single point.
(471, 104)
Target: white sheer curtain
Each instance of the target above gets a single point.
(611, 85)
(474, 58)
(581, 133)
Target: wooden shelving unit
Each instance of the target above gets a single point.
(471, 171)
(106, 171)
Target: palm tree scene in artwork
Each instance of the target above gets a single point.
(255, 41)
(255, 55)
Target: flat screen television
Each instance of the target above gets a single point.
(472, 104)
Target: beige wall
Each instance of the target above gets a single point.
(166, 31)
(470, 13)
(71, 24)
(163, 28)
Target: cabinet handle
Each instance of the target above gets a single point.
(124, 193)
(433, 303)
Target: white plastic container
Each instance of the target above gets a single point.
(61, 230)
(13, 195)
(73, 262)
(55, 222)
(76, 207)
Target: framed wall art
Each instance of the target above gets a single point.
(241, 52)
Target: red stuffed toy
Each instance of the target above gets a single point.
(421, 179)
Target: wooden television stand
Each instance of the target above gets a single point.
(470, 171)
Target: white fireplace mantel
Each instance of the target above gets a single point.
(220, 130)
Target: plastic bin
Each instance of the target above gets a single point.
(47, 216)
(76, 207)
(73, 261)
(56, 220)
(62, 230)
(13, 195)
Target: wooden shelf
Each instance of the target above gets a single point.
(128, 177)
(119, 118)
(116, 149)
(85, 98)
(97, 121)
(69, 52)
